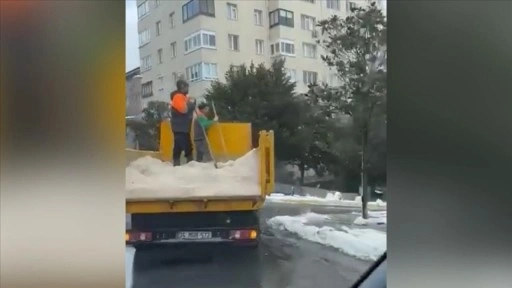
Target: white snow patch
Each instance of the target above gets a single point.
(376, 218)
(129, 256)
(150, 178)
(366, 244)
(331, 199)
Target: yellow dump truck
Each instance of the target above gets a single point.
(231, 219)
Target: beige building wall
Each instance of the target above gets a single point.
(164, 75)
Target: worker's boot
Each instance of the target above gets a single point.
(176, 162)
(190, 159)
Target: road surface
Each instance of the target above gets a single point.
(283, 261)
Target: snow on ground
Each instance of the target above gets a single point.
(331, 199)
(129, 256)
(375, 218)
(366, 244)
(150, 178)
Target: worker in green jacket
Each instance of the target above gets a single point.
(201, 125)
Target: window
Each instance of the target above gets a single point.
(281, 17)
(147, 89)
(209, 71)
(259, 46)
(232, 12)
(145, 63)
(201, 71)
(292, 74)
(233, 42)
(309, 50)
(208, 40)
(143, 9)
(144, 37)
(160, 56)
(307, 22)
(174, 51)
(350, 6)
(201, 39)
(194, 72)
(333, 4)
(157, 3)
(258, 17)
(194, 8)
(171, 20)
(158, 27)
(283, 47)
(309, 77)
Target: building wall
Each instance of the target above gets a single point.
(164, 75)
(133, 96)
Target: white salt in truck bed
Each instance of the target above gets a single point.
(196, 202)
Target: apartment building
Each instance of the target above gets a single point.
(133, 92)
(198, 40)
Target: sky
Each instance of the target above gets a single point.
(132, 45)
(132, 42)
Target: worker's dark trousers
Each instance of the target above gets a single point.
(202, 151)
(182, 143)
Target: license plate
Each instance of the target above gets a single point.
(196, 235)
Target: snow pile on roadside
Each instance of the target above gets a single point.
(375, 218)
(129, 256)
(150, 178)
(365, 244)
(333, 199)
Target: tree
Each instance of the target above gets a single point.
(148, 133)
(265, 97)
(355, 47)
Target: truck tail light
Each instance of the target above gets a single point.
(243, 234)
(138, 236)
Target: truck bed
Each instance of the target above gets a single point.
(148, 178)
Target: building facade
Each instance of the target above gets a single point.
(134, 103)
(198, 40)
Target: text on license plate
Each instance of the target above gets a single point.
(194, 235)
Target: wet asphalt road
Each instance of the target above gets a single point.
(282, 261)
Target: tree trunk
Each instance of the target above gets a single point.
(364, 177)
(302, 169)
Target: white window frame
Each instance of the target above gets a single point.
(144, 37)
(260, 46)
(209, 67)
(309, 45)
(281, 44)
(143, 9)
(334, 4)
(231, 40)
(306, 75)
(174, 49)
(307, 22)
(202, 71)
(145, 63)
(258, 17)
(194, 72)
(191, 45)
(232, 11)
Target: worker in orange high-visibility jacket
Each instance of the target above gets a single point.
(182, 111)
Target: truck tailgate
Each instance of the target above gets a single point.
(194, 205)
